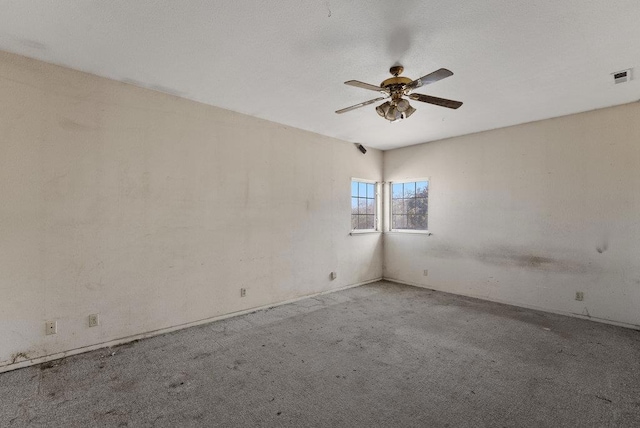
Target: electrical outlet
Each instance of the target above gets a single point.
(243, 292)
(51, 327)
(333, 275)
(579, 296)
(426, 272)
(94, 320)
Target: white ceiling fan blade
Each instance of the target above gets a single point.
(366, 103)
(442, 102)
(359, 84)
(429, 78)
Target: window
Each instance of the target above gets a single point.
(363, 205)
(409, 202)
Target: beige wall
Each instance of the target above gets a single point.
(530, 215)
(154, 211)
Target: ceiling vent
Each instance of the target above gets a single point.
(622, 76)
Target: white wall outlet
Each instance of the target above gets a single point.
(243, 292)
(425, 272)
(333, 275)
(579, 296)
(94, 320)
(51, 327)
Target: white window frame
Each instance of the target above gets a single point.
(390, 205)
(377, 189)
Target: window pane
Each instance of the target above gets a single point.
(354, 205)
(362, 205)
(421, 222)
(397, 190)
(370, 221)
(362, 190)
(371, 190)
(409, 190)
(421, 189)
(410, 206)
(420, 206)
(399, 222)
(417, 222)
(397, 206)
(371, 206)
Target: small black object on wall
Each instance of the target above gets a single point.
(361, 148)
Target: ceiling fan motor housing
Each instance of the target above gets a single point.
(397, 82)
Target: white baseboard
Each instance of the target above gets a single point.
(520, 305)
(7, 366)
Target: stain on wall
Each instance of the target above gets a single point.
(603, 245)
(512, 257)
(515, 257)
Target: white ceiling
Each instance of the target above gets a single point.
(286, 60)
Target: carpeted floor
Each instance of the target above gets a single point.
(377, 355)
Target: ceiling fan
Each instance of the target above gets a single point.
(398, 87)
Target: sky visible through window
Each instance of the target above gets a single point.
(409, 203)
(363, 205)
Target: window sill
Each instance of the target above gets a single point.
(411, 232)
(363, 232)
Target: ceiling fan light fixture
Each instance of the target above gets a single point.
(383, 108)
(392, 113)
(408, 112)
(403, 105)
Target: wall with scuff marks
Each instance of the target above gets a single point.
(530, 215)
(153, 211)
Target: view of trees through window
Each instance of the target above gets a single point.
(409, 205)
(363, 205)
